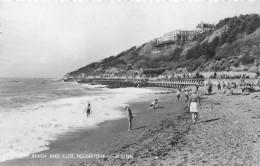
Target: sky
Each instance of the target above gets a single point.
(47, 39)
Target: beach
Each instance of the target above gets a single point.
(101, 140)
(80, 81)
(227, 133)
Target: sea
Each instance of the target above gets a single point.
(36, 111)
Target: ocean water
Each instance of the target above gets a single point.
(34, 112)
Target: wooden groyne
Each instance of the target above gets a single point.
(175, 83)
(145, 82)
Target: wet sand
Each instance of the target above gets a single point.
(102, 140)
(227, 133)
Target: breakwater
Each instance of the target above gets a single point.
(145, 82)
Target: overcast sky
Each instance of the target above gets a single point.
(50, 39)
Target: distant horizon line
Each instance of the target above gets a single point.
(32, 77)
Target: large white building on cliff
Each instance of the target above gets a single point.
(182, 35)
(173, 36)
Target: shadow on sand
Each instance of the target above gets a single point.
(139, 128)
(210, 120)
(210, 94)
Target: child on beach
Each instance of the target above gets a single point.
(154, 105)
(129, 116)
(194, 104)
(88, 110)
(178, 95)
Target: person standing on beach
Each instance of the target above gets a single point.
(218, 84)
(88, 110)
(194, 104)
(209, 85)
(129, 116)
(197, 87)
(178, 95)
(187, 95)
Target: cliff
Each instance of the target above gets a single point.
(232, 45)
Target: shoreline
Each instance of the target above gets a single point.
(227, 133)
(68, 144)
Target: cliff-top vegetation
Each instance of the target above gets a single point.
(233, 44)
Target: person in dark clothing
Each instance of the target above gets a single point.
(209, 87)
(218, 84)
(187, 95)
(197, 87)
(129, 116)
(223, 85)
(88, 110)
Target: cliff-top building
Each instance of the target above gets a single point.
(181, 35)
(202, 27)
(173, 36)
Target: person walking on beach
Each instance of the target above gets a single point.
(194, 104)
(178, 95)
(197, 87)
(218, 84)
(88, 110)
(223, 85)
(129, 116)
(187, 95)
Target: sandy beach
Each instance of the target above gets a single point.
(227, 133)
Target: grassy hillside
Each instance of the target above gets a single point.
(234, 44)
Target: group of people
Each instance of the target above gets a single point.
(88, 112)
(178, 95)
(192, 98)
(233, 76)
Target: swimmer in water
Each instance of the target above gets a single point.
(88, 110)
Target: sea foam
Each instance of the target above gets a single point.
(30, 129)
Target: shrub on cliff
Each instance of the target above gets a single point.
(238, 25)
(236, 63)
(176, 54)
(206, 49)
(237, 36)
(193, 66)
(224, 51)
(247, 59)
